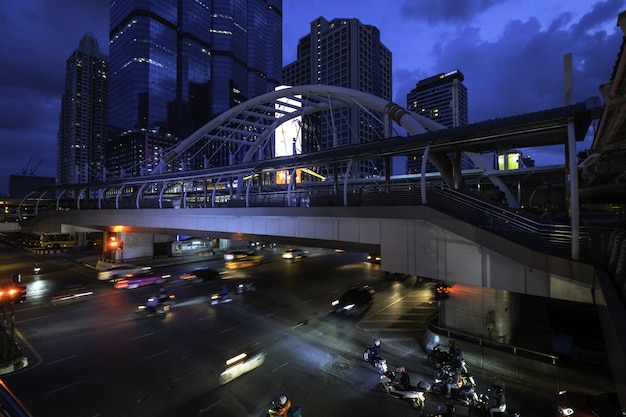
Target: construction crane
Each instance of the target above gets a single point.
(32, 171)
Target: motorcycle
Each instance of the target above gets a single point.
(159, 310)
(466, 393)
(482, 406)
(165, 299)
(444, 362)
(217, 298)
(275, 408)
(415, 397)
(379, 363)
(443, 369)
(246, 287)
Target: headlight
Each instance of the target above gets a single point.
(566, 411)
(334, 303)
(349, 307)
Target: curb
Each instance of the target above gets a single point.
(15, 365)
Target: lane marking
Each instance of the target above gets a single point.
(225, 330)
(64, 387)
(61, 360)
(209, 407)
(281, 366)
(143, 335)
(156, 354)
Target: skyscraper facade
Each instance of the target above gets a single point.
(442, 98)
(176, 64)
(83, 122)
(344, 53)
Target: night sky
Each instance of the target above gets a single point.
(510, 52)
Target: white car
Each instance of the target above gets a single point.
(111, 274)
(294, 254)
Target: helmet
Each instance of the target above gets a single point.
(401, 369)
(377, 342)
(282, 400)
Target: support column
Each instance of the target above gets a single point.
(481, 312)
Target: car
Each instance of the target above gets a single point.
(246, 262)
(140, 280)
(373, 258)
(201, 275)
(355, 300)
(294, 254)
(573, 404)
(112, 273)
(233, 255)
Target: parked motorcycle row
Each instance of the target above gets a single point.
(451, 380)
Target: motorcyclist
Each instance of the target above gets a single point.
(223, 292)
(454, 382)
(375, 351)
(405, 379)
(163, 296)
(499, 402)
(152, 304)
(456, 356)
(281, 406)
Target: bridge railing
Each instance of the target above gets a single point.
(517, 225)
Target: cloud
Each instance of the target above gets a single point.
(445, 11)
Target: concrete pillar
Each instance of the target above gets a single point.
(481, 312)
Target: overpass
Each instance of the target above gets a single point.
(437, 225)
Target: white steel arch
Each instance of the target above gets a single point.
(250, 124)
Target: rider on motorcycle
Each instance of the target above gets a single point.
(280, 406)
(152, 304)
(499, 405)
(375, 352)
(163, 296)
(454, 382)
(405, 379)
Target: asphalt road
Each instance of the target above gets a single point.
(93, 358)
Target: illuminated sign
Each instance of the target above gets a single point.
(288, 136)
(509, 161)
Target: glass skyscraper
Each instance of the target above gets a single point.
(83, 122)
(176, 64)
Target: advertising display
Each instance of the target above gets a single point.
(288, 136)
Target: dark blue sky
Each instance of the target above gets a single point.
(510, 51)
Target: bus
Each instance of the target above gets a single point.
(57, 240)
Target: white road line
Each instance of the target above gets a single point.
(156, 354)
(35, 318)
(183, 376)
(271, 314)
(307, 301)
(277, 368)
(225, 330)
(143, 335)
(61, 360)
(64, 387)
(206, 317)
(209, 407)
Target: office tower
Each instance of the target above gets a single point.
(344, 53)
(442, 98)
(83, 122)
(175, 65)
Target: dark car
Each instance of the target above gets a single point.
(573, 404)
(201, 275)
(355, 300)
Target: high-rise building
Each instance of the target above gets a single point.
(83, 122)
(442, 98)
(175, 65)
(344, 53)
